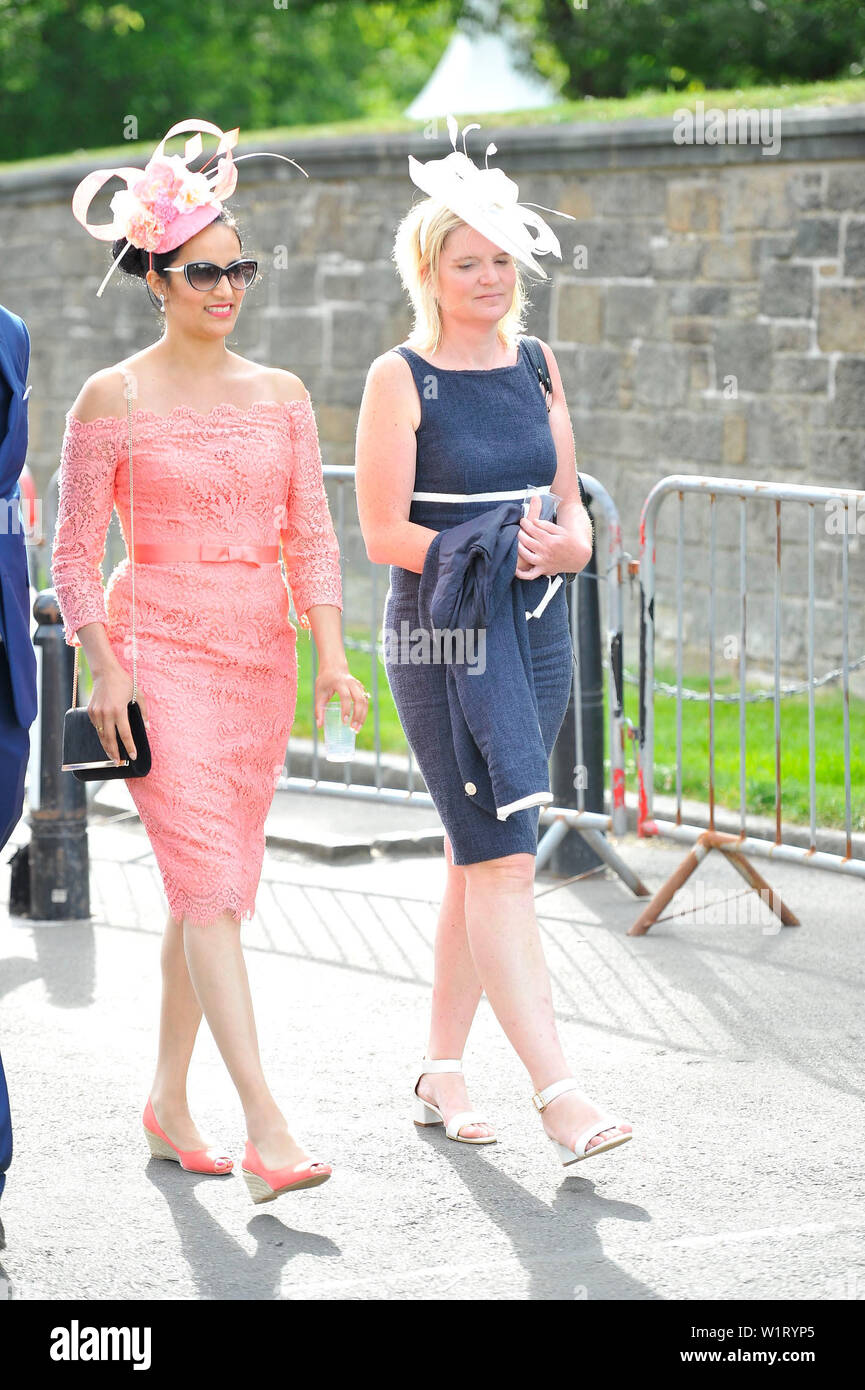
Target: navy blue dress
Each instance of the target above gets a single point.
(480, 431)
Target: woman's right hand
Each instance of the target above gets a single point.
(108, 710)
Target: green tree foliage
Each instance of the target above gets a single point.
(613, 48)
(71, 73)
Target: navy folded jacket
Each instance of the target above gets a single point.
(468, 583)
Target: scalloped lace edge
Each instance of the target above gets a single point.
(189, 412)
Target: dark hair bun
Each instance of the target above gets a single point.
(136, 262)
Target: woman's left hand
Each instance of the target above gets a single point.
(544, 547)
(353, 698)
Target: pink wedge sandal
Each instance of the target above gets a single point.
(193, 1160)
(266, 1184)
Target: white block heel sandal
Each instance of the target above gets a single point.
(542, 1099)
(427, 1114)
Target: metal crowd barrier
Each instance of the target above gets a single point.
(393, 778)
(736, 847)
(559, 820)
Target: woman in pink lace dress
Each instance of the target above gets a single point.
(225, 455)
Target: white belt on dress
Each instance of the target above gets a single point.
(513, 494)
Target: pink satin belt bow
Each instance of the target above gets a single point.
(167, 552)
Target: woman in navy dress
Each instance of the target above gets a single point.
(452, 422)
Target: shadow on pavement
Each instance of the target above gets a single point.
(557, 1244)
(65, 960)
(768, 1027)
(220, 1267)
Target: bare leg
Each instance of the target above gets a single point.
(456, 993)
(180, 1015)
(506, 947)
(218, 973)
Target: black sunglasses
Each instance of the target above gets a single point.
(205, 275)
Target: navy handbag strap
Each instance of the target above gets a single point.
(535, 354)
(539, 362)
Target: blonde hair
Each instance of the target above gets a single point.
(419, 271)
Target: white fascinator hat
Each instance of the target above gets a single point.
(488, 201)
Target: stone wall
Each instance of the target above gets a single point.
(711, 323)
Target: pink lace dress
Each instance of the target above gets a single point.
(216, 649)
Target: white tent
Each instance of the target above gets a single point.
(478, 72)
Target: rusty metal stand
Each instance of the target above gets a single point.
(709, 840)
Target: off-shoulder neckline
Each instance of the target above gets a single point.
(189, 411)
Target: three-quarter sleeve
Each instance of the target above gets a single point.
(309, 544)
(88, 463)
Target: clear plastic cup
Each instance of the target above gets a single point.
(339, 738)
(549, 503)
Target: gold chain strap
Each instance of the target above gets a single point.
(127, 391)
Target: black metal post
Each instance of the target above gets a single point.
(58, 860)
(573, 855)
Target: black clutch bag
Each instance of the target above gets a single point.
(83, 753)
(86, 759)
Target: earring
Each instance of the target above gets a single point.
(161, 303)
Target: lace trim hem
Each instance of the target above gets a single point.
(200, 913)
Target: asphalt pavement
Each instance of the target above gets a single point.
(734, 1048)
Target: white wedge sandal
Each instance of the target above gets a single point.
(542, 1099)
(427, 1114)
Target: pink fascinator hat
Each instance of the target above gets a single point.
(487, 200)
(166, 202)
